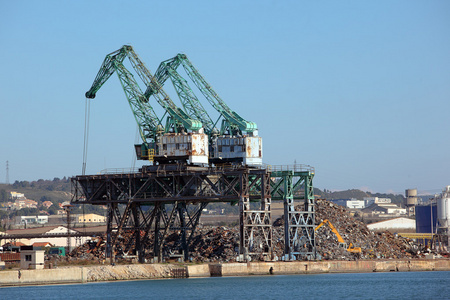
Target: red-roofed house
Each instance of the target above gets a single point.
(47, 204)
(42, 245)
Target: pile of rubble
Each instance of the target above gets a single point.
(215, 244)
(221, 244)
(373, 245)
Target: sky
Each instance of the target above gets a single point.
(357, 89)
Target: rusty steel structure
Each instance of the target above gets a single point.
(294, 186)
(158, 201)
(161, 206)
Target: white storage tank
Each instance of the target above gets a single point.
(443, 208)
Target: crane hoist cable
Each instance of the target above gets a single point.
(86, 134)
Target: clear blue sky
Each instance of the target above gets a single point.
(358, 89)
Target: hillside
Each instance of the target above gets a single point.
(357, 194)
(59, 190)
(56, 189)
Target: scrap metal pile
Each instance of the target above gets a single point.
(221, 244)
(373, 245)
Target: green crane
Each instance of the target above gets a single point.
(237, 141)
(189, 100)
(177, 117)
(232, 123)
(150, 126)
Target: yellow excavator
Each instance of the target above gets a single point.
(341, 241)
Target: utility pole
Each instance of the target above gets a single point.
(7, 172)
(67, 207)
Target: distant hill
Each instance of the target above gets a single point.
(59, 190)
(358, 194)
(56, 189)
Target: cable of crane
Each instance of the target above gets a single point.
(87, 109)
(136, 140)
(87, 113)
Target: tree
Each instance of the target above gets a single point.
(3, 195)
(53, 210)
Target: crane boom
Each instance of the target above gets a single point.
(190, 102)
(237, 141)
(176, 146)
(148, 122)
(177, 114)
(116, 58)
(233, 122)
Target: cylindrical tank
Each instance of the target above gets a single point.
(443, 208)
(411, 197)
(426, 218)
(411, 193)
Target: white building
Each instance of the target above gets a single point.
(31, 259)
(16, 195)
(394, 224)
(375, 200)
(31, 219)
(385, 210)
(350, 203)
(58, 241)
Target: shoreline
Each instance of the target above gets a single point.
(103, 273)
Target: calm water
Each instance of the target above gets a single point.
(414, 285)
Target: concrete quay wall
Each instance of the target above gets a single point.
(44, 276)
(85, 274)
(311, 267)
(153, 271)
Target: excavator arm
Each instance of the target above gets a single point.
(341, 241)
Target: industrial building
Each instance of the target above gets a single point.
(55, 235)
(396, 224)
(434, 217)
(375, 200)
(349, 203)
(24, 220)
(384, 210)
(88, 218)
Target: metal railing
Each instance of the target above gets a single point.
(119, 171)
(270, 168)
(295, 168)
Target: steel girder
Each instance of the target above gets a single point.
(256, 224)
(153, 206)
(295, 187)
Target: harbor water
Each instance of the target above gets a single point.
(393, 285)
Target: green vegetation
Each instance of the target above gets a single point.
(59, 190)
(357, 194)
(56, 191)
